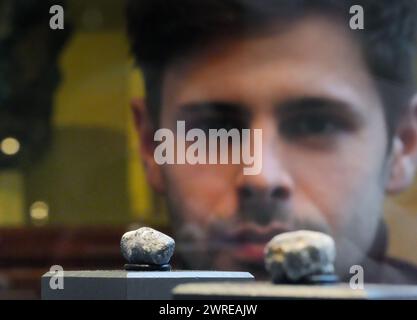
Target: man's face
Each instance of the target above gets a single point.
(324, 145)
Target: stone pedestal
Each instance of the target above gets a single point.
(266, 290)
(129, 285)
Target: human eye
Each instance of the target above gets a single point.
(313, 125)
(215, 122)
(215, 116)
(318, 120)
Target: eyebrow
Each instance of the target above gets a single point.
(317, 104)
(213, 108)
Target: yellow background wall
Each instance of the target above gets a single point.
(91, 173)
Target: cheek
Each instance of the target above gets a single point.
(204, 191)
(341, 187)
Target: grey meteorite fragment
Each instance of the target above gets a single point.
(147, 246)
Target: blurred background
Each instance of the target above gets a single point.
(71, 180)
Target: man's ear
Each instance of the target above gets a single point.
(404, 152)
(145, 130)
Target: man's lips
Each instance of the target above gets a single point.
(251, 253)
(247, 241)
(254, 233)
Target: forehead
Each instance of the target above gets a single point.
(314, 56)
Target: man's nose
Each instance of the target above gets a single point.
(267, 195)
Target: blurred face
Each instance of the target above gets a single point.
(324, 145)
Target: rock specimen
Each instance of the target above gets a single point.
(293, 256)
(147, 246)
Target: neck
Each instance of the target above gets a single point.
(379, 247)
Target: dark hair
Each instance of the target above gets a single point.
(161, 31)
